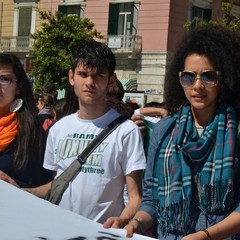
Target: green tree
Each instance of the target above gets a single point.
(228, 18)
(53, 45)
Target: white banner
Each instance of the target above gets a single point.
(26, 217)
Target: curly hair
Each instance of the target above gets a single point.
(94, 54)
(222, 47)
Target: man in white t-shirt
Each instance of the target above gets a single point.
(97, 191)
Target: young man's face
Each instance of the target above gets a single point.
(90, 85)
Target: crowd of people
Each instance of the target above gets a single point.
(182, 183)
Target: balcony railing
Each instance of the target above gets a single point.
(118, 43)
(20, 44)
(124, 43)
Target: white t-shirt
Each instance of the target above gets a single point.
(97, 191)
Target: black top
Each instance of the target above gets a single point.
(33, 175)
(42, 117)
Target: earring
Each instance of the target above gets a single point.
(16, 105)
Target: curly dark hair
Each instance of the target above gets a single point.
(222, 47)
(94, 54)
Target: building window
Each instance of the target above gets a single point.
(71, 10)
(24, 21)
(24, 18)
(199, 13)
(122, 19)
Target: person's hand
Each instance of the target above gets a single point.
(200, 235)
(138, 120)
(6, 178)
(114, 222)
(131, 228)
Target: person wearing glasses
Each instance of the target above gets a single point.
(22, 139)
(192, 179)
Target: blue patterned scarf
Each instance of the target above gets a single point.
(211, 154)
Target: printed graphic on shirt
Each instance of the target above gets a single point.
(74, 144)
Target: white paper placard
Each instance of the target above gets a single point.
(26, 217)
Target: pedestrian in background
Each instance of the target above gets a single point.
(45, 107)
(192, 179)
(115, 96)
(50, 88)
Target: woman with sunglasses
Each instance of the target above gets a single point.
(192, 180)
(22, 138)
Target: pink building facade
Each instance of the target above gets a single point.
(158, 25)
(143, 34)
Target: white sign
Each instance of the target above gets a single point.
(26, 217)
(135, 97)
(114, 42)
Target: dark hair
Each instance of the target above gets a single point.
(94, 54)
(36, 95)
(58, 108)
(47, 99)
(49, 87)
(131, 107)
(71, 103)
(155, 104)
(30, 132)
(222, 47)
(117, 91)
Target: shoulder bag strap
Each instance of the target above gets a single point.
(60, 183)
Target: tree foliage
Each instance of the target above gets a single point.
(228, 18)
(54, 43)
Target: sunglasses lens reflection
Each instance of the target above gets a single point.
(208, 78)
(187, 78)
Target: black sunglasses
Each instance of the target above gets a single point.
(209, 78)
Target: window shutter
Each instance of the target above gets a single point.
(24, 21)
(113, 19)
(207, 14)
(62, 9)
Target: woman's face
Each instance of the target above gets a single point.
(7, 91)
(203, 99)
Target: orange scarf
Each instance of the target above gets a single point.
(8, 130)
